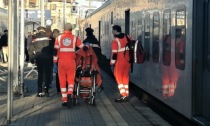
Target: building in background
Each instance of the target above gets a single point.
(75, 11)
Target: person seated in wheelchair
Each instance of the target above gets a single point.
(86, 62)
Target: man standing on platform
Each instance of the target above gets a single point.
(120, 60)
(4, 40)
(93, 42)
(41, 53)
(65, 46)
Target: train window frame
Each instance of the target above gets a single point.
(166, 54)
(147, 36)
(155, 39)
(180, 49)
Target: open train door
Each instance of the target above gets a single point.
(99, 32)
(201, 62)
(127, 27)
(127, 21)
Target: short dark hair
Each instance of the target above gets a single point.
(89, 30)
(117, 28)
(6, 30)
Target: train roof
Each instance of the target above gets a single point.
(100, 8)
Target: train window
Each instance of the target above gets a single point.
(167, 37)
(133, 29)
(111, 17)
(139, 28)
(147, 36)
(155, 41)
(180, 39)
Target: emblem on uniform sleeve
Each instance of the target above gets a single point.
(66, 41)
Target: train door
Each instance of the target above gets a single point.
(127, 22)
(147, 36)
(201, 62)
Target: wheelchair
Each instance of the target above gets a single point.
(85, 85)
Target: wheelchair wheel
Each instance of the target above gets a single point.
(92, 100)
(75, 100)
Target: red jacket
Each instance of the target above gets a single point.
(66, 45)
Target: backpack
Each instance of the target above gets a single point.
(136, 51)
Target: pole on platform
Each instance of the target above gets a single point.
(10, 60)
(42, 2)
(64, 14)
(16, 85)
(22, 45)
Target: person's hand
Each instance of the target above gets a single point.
(55, 68)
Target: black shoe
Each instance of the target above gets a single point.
(69, 100)
(39, 95)
(46, 92)
(122, 99)
(64, 103)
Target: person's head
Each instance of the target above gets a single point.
(89, 31)
(116, 29)
(56, 32)
(86, 46)
(68, 26)
(5, 31)
(41, 29)
(48, 32)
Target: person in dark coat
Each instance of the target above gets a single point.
(41, 52)
(55, 34)
(4, 42)
(93, 42)
(1, 52)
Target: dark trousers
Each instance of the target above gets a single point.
(26, 55)
(57, 83)
(44, 67)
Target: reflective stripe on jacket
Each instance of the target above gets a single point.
(65, 45)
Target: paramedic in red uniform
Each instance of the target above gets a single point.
(65, 45)
(120, 61)
(86, 52)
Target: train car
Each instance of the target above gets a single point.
(175, 35)
(3, 20)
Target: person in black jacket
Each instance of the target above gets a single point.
(1, 52)
(56, 33)
(4, 42)
(93, 42)
(40, 52)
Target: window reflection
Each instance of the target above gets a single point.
(167, 38)
(180, 39)
(147, 36)
(155, 43)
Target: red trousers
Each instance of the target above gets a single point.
(121, 73)
(66, 73)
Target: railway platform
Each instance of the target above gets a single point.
(47, 111)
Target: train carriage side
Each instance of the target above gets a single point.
(169, 30)
(170, 83)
